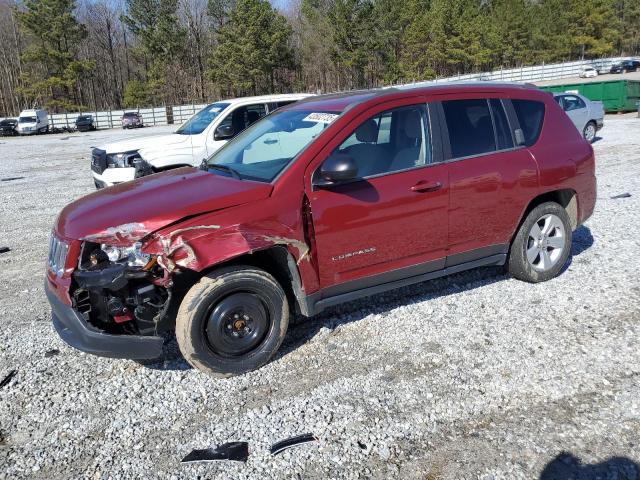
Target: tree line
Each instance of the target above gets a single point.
(99, 54)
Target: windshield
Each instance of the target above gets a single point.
(27, 120)
(264, 149)
(202, 119)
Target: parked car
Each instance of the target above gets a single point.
(625, 66)
(586, 115)
(132, 120)
(31, 122)
(327, 200)
(84, 123)
(193, 141)
(8, 127)
(588, 72)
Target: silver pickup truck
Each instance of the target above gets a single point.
(586, 115)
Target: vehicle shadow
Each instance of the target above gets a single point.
(568, 467)
(301, 329)
(596, 139)
(582, 240)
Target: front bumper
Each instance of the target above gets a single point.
(110, 176)
(76, 332)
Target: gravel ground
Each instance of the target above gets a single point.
(473, 376)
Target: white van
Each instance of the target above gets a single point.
(196, 139)
(33, 121)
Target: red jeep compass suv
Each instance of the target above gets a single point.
(329, 199)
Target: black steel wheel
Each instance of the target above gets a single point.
(232, 321)
(237, 324)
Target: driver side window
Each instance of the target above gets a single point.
(390, 141)
(243, 117)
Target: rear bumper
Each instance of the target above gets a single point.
(587, 201)
(76, 332)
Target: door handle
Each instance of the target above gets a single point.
(424, 186)
(270, 141)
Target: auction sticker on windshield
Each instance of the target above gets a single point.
(320, 117)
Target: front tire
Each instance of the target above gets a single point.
(232, 321)
(542, 245)
(589, 132)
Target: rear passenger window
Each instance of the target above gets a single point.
(391, 141)
(470, 127)
(530, 115)
(503, 131)
(242, 117)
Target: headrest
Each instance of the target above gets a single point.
(367, 132)
(412, 124)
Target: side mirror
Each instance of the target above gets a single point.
(337, 168)
(224, 132)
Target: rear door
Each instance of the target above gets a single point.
(394, 216)
(490, 177)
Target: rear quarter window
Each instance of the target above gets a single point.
(530, 115)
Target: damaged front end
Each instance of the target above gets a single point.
(121, 290)
(117, 304)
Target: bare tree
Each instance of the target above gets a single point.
(11, 102)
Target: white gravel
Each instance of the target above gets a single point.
(473, 376)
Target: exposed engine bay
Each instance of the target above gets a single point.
(121, 290)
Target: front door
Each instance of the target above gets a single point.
(394, 216)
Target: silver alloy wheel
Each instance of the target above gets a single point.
(545, 242)
(590, 132)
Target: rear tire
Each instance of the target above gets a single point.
(589, 132)
(232, 321)
(542, 245)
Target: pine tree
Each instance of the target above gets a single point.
(155, 24)
(593, 28)
(253, 52)
(351, 38)
(51, 60)
(629, 17)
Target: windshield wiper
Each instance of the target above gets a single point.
(225, 168)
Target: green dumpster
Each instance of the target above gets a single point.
(616, 95)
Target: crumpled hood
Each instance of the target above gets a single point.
(128, 212)
(150, 141)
